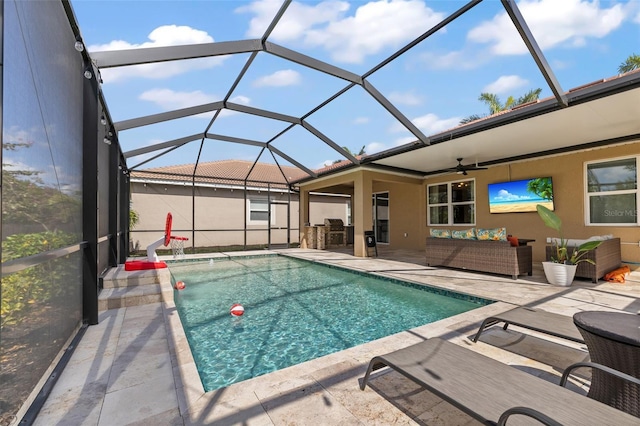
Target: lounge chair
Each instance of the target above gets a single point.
(542, 321)
(487, 389)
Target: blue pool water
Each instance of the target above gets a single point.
(294, 311)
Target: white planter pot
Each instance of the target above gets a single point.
(559, 274)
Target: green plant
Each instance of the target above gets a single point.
(562, 254)
(134, 218)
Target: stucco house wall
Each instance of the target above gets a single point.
(408, 214)
(568, 174)
(218, 215)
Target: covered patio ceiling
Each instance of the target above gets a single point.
(603, 114)
(597, 112)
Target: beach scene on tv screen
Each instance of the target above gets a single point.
(520, 195)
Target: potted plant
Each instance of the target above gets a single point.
(562, 268)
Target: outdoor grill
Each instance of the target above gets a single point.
(335, 232)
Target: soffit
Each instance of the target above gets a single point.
(604, 120)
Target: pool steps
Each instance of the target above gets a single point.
(122, 288)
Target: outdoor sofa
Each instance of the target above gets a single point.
(496, 257)
(606, 257)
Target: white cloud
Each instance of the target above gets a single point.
(169, 99)
(506, 84)
(504, 195)
(166, 35)
(279, 79)
(361, 120)
(406, 98)
(568, 23)
(374, 26)
(242, 100)
(298, 18)
(374, 147)
(429, 124)
(405, 140)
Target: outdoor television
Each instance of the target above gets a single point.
(520, 195)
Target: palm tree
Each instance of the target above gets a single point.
(630, 64)
(361, 152)
(495, 105)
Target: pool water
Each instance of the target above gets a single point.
(295, 311)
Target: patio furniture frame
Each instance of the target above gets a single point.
(497, 257)
(487, 389)
(613, 339)
(534, 319)
(606, 257)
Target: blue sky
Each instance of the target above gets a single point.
(435, 84)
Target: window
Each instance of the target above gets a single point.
(258, 212)
(452, 203)
(612, 192)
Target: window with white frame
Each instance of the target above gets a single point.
(612, 192)
(258, 212)
(452, 203)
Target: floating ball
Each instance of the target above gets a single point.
(180, 285)
(237, 310)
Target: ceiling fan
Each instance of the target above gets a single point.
(461, 169)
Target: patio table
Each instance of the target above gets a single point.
(613, 340)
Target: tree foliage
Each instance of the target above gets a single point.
(361, 152)
(35, 286)
(495, 104)
(630, 64)
(542, 187)
(27, 200)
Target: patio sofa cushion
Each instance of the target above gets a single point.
(464, 234)
(440, 233)
(493, 234)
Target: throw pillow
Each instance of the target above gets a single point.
(440, 233)
(492, 234)
(465, 234)
(513, 241)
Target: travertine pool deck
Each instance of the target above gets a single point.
(135, 366)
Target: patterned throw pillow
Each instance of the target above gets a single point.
(492, 234)
(465, 234)
(440, 233)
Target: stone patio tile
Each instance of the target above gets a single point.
(156, 396)
(307, 405)
(136, 365)
(73, 406)
(80, 374)
(235, 405)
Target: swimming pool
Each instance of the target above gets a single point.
(295, 311)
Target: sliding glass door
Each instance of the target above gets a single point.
(381, 216)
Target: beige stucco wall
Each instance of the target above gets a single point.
(408, 208)
(406, 204)
(568, 174)
(219, 215)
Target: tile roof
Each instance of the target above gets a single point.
(225, 172)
